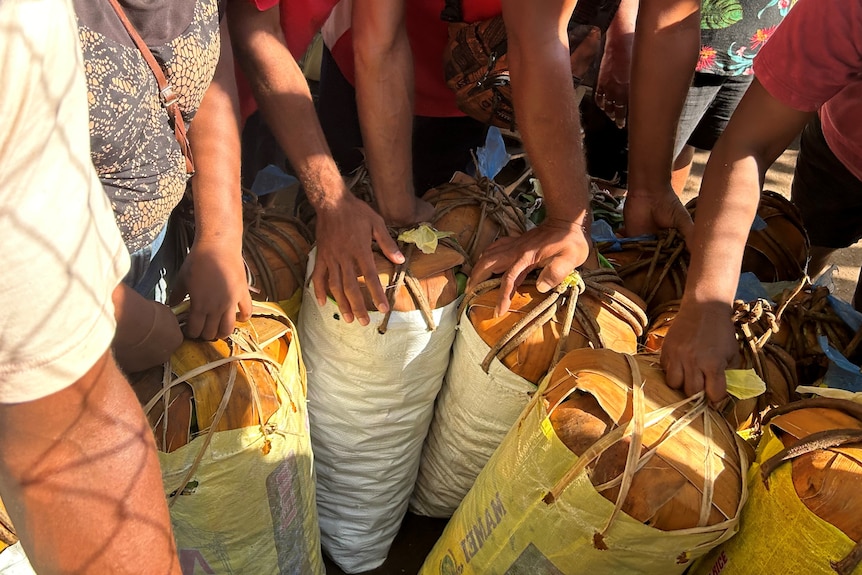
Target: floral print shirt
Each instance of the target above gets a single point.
(733, 31)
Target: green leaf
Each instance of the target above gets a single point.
(425, 237)
(718, 14)
(744, 383)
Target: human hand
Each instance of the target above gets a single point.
(344, 235)
(157, 335)
(699, 347)
(612, 86)
(404, 210)
(646, 212)
(213, 276)
(558, 246)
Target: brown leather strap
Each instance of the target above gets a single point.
(167, 96)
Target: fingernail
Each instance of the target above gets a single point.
(364, 321)
(400, 257)
(382, 308)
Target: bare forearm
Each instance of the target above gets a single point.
(384, 97)
(80, 478)
(284, 100)
(547, 111)
(667, 41)
(214, 137)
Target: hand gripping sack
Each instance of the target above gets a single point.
(371, 397)
(476, 66)
(671, 473)
(497, 363)
(235, 450)
(802, 515)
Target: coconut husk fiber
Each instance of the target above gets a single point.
(476, 211)
(654, 269)
(805, 313)
(590, 309)
(668, 461)
(777, 246)
(275, 247)
(183, 398)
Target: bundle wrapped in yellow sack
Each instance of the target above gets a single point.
(607, 471)
(230, 422)
(802, 515)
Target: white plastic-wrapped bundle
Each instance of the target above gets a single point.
(470, 420)
(371, 398)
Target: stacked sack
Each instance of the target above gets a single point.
(607, 470)
(230, 423)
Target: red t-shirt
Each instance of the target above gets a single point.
(428, 35)
(814, 62)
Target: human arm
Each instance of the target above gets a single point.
(549, 121)
(612, 86)
(213, 273)
(147, 331)
(700, 344)
(346, 226)
(384, 98)
(80, 479)
(667, 42)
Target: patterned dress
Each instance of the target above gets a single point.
(133, 145)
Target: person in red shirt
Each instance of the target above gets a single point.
(391, 88)
(808, 79)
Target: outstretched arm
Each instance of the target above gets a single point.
(667, 42)
(548, 118)
(384, 98)
(345, 225)
(700, 345)
(80, 479)
(213, 273)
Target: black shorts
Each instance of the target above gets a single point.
(827, 194)
(708, 106)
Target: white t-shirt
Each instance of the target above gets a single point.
(61, 254)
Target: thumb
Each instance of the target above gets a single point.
(387, 245)
(551, 276)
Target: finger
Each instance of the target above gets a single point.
(387, 245)
(372, 284)
(509, 282)
(674, 375)
(552, 275)
(600, 99)
(212, 324)
(353, 294)
(226, 324)
(620, 115)
(194, 323)
(336, 289)
(244, 308)
(716, 386)
(694, 381)
(319, 281)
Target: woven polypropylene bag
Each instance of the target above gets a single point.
(371, 398)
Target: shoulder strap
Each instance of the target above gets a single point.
(166, 92)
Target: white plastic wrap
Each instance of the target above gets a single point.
(474, 412)
(370, 401)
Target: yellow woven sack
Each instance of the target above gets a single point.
(242, 501)
(778, 533)
(533, 509)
